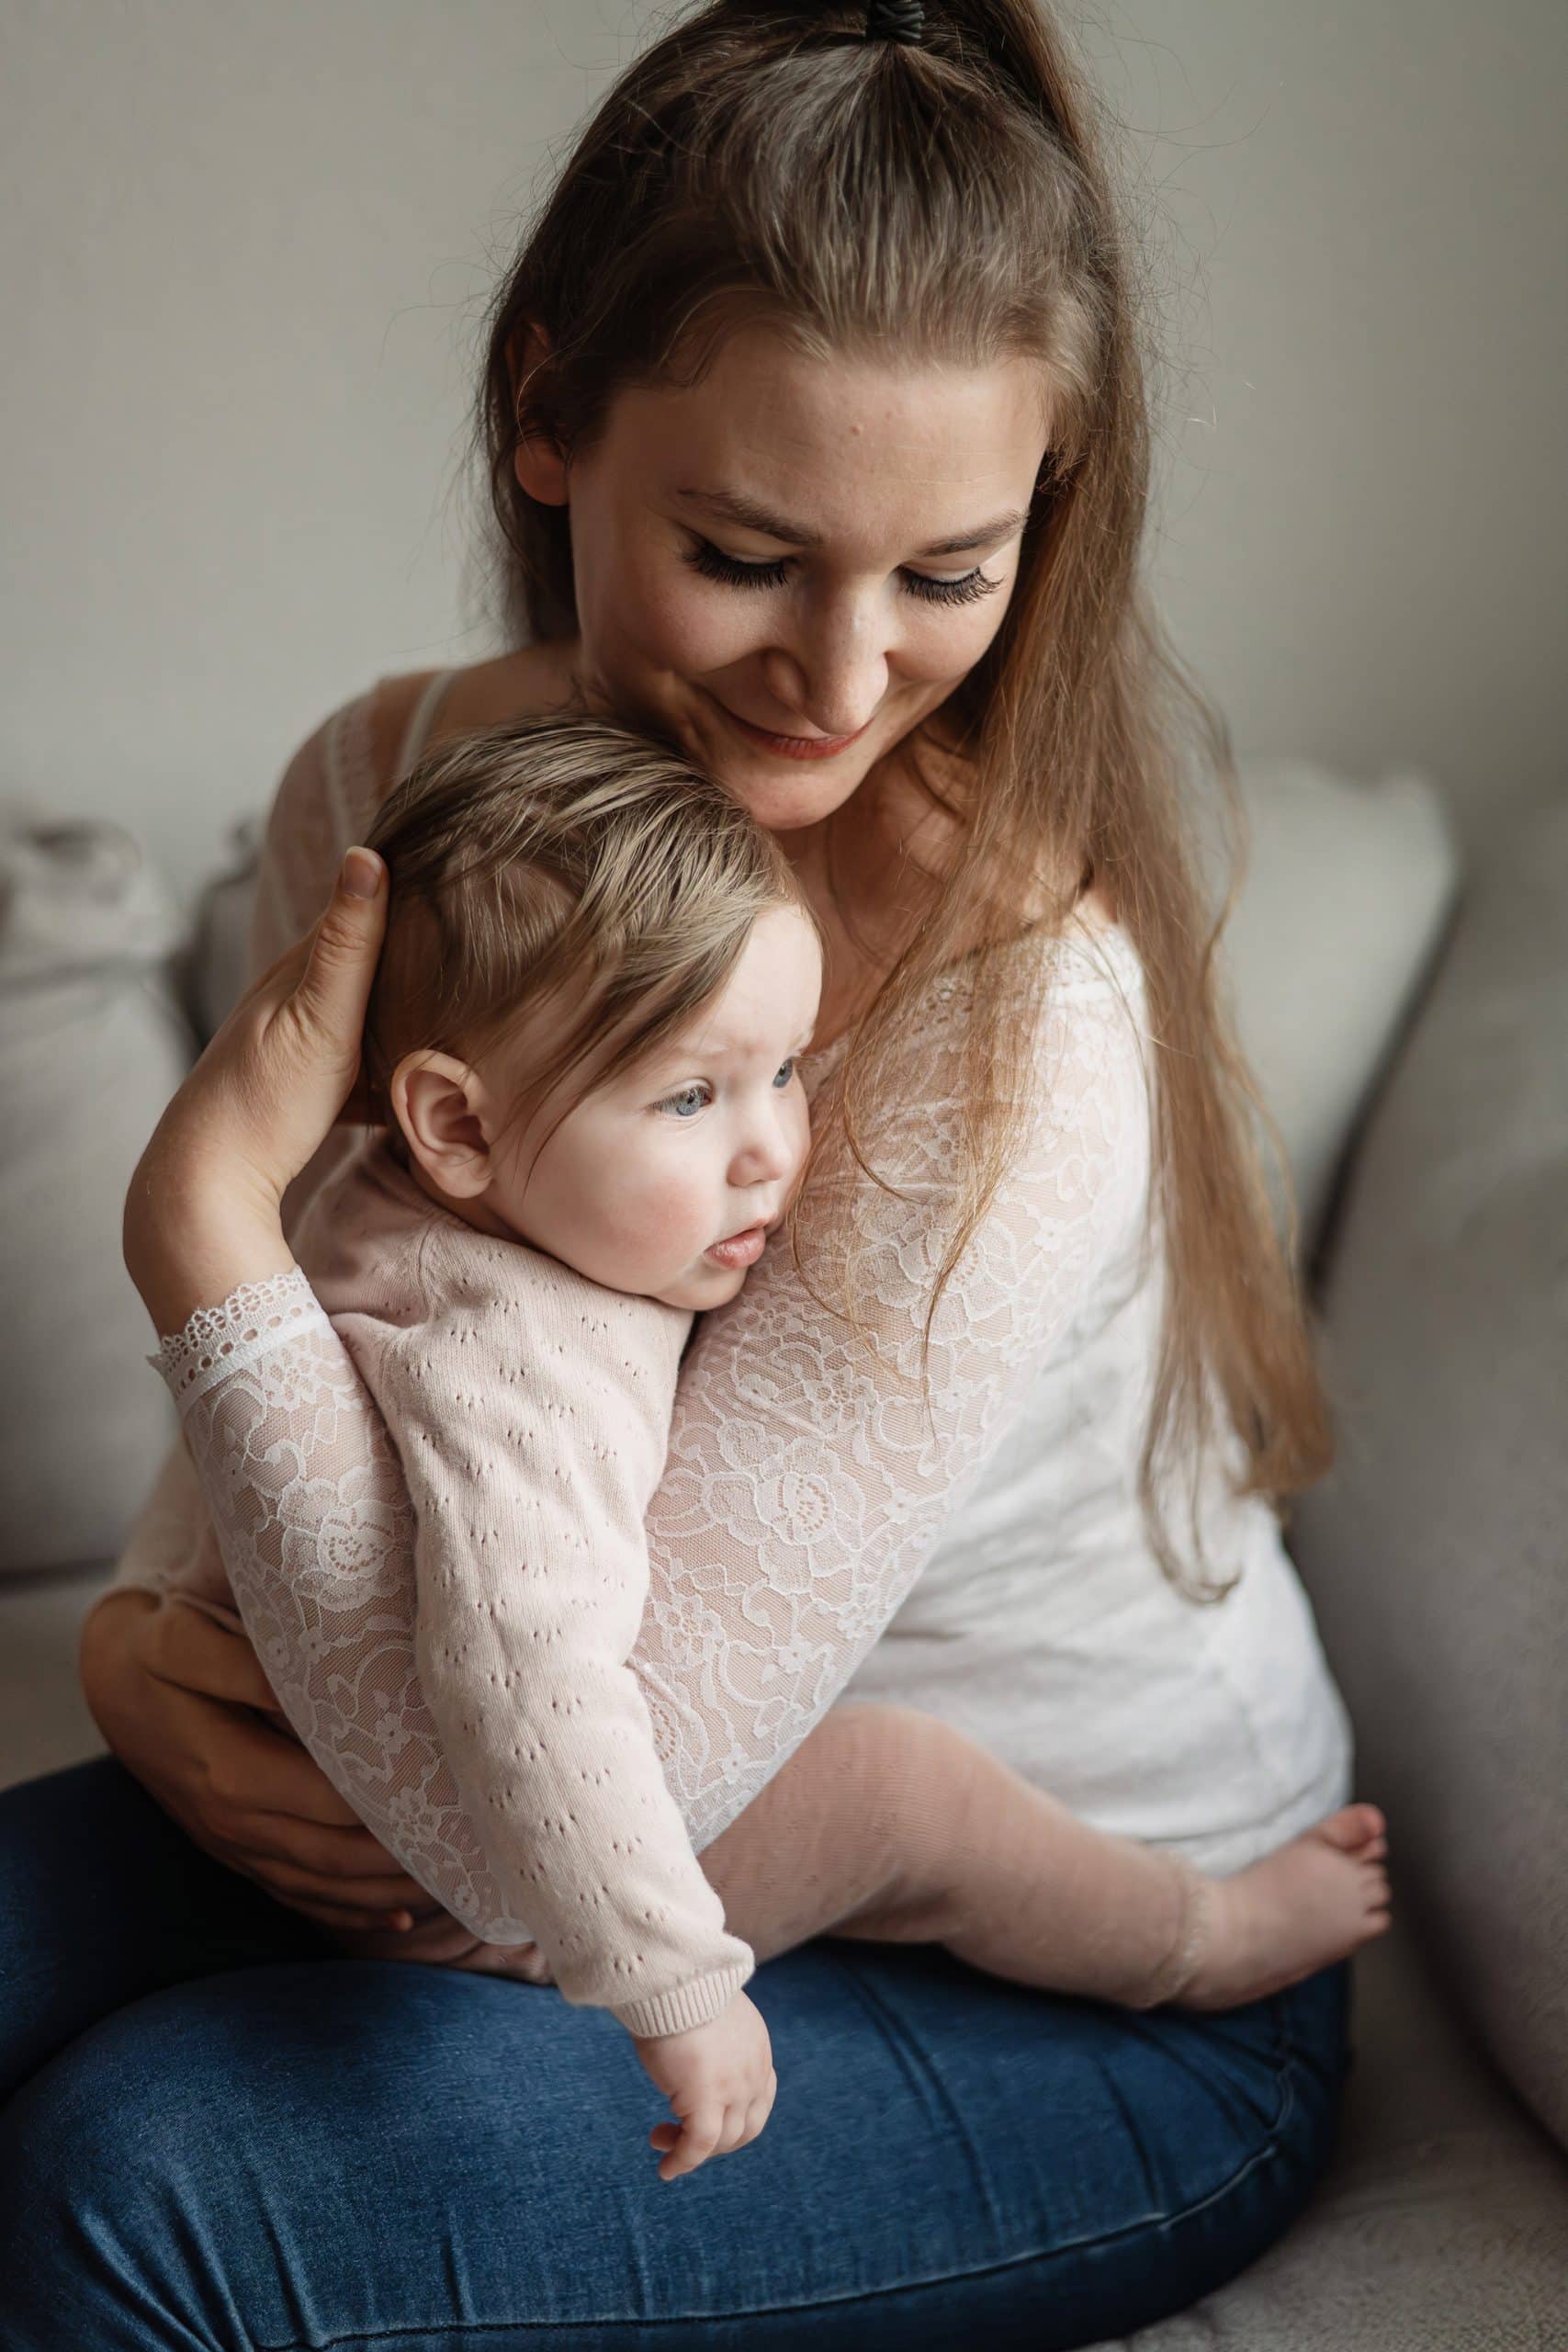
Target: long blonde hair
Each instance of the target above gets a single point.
(949, 199)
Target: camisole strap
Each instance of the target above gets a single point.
(420, 719)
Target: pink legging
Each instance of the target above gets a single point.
(890, 1826)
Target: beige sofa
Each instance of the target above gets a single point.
(1436, 1556)
(1436, 1559)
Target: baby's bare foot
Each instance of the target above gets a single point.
(1317, 1899)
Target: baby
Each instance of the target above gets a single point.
(582, 1043)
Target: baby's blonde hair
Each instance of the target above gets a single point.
(566, 861)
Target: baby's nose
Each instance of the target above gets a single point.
(764, 1158)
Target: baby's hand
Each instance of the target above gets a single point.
(720, 2079)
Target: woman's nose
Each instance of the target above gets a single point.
(833, 671)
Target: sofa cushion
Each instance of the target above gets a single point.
(217, 962)
(1346, 892)
(91, 1049)
(1436, 1554)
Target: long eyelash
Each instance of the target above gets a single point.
(691, 1087)
(714, 564)
(967, 591)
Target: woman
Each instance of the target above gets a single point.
(818, 444)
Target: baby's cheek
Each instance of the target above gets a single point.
(662, 1220)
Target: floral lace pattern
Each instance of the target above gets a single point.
(219, 1340)
(806, 1481)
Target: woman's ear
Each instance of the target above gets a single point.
(440, 1104)
(537, 462)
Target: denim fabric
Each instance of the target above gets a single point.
(218, 2133)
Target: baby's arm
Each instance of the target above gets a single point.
(529, 1411)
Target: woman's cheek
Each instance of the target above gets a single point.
(691, 642)
(675, 620)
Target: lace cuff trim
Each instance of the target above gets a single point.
(219, 1340)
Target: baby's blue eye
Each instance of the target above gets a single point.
(673, 1102)
(787, 1071)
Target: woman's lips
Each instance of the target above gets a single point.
(739, 1249)
(793, 747)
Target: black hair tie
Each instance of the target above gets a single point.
(900, 20)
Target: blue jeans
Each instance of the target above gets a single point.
(215, 2131)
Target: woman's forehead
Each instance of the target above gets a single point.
(835, 444)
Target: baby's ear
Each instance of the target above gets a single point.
(438, 1102)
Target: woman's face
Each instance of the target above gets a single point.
(787, 565)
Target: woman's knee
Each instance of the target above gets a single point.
(96, 2153)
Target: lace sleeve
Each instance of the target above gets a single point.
(805, 1485)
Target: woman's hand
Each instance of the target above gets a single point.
(442, 1941)
(202, 1214)
(184, 1704)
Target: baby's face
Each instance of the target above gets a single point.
(664, 1181)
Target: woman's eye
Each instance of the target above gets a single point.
(786, 1072)
(714, 564)
(686, 1100)
(965, 589)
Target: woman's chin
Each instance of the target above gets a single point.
(781, 794)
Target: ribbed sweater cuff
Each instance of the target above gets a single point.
(683, 2005)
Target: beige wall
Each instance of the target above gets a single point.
(246, 251)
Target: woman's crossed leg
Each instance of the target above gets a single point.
(238, 2143)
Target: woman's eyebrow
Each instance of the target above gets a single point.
(746, 515)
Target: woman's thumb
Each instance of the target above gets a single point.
(335, 987)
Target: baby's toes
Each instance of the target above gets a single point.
(1352, 1827)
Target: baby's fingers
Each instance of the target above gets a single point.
(760, 2107)
(720, 2133)
(699, 2136)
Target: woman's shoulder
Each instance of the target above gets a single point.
(1093, 1004)
(1091, 958)
(417, 709)
(1094, 951)
(367, 744)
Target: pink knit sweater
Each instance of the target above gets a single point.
(530, 1410)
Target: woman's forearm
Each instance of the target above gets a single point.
(187, 1246)
(106, 1632)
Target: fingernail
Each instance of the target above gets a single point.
(361, 873)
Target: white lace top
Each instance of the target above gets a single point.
(818, 1534)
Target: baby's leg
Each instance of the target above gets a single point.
(890, 1825)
